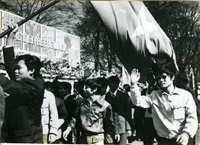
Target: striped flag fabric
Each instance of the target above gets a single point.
(135, 36)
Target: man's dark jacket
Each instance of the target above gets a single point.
(121, 111)
(23, 104)
(2, 108)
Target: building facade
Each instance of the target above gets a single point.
(43, 41)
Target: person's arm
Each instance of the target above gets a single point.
(191, 124)
(2, 106)
(10, 63)
(63, 111)
(21, 90)
(109, 124)
(128, 114)
(135, 91)
(69, 128)
(53, 118)
(8, 52)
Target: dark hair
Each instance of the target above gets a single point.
(104, 85)
(32, 63)
(127, 87)
(181, 80)
(79, 87)
(114, 79)
(66, 86)
(47, 84)
(94, 84)
(168, 68)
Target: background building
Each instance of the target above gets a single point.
(43, 41)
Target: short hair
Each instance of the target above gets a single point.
(114, 79)
(66, 86)
(94, 84)
(127, 87)
(48, 84)
(104, 85)
(168, 68)
(32, 62)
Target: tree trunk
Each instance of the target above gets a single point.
(97, 49)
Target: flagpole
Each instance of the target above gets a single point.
(30, 17)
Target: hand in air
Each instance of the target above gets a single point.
(135, 76)
(11, 35)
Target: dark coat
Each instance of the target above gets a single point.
(121, 111)
(71, 104)
(23, 105)
(2, 108)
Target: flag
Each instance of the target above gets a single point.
(135, 36)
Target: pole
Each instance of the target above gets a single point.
(30, 17)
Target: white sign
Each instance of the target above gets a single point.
(43, 41)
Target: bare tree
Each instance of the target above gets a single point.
(180, 21)
(59, 15)
(95, 43)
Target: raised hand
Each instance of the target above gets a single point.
(11, 36)
(135, 76)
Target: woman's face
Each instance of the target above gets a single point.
(22, 71)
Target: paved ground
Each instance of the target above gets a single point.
(136, 143)
(139, 143)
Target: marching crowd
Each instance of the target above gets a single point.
(98, 111)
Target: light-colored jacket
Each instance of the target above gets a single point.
(49, 114)
(173, 114)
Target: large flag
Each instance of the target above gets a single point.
(134, 34)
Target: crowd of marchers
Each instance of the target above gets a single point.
(98, 110)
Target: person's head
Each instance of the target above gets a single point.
(181, 80)
(151, 79)
(113, 83)
(92, 87)
(48, 86)
(64, 88)
(28, 67)
(165, 74)
(104, 85)
(127, 87)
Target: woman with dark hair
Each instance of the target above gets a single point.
(25, 93)
(94, 115)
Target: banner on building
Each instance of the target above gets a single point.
(43, 41)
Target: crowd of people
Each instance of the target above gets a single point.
(98, 110)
